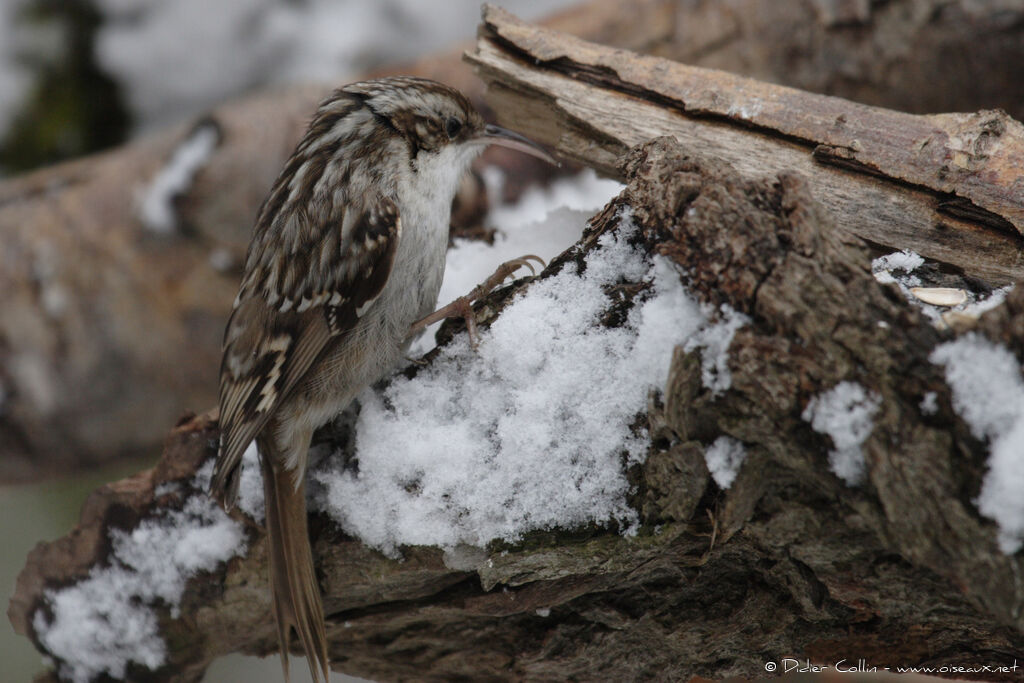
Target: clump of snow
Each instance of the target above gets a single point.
(898, 268)
(533, 429)
(723, 458)
(544, 222)
(845, 413)
(747, 110)
(95, 629)
(583, 192)
(528, 431)
(101, 624)
(156, 209)
(905, 260)
(885, 268)
(714, 340)
(976, 307)
(929, 403)
(250, 485)
(166, 488)
(988, 393)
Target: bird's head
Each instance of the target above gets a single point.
(436, 120)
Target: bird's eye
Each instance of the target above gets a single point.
(452, 126)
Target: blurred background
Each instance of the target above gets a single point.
(78, 76)
(138, 137)
(82, 76)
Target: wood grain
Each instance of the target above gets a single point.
(950, 186)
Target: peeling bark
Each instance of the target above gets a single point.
(110, 331)
(947, 185)
(788, 561)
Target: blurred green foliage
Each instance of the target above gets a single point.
(72, 108)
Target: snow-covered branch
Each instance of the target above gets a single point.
(631, 479)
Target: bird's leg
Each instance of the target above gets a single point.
(463, 306)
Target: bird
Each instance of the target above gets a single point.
(344, 265)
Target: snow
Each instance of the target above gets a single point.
(898, 268)
(531, 430)
(845, 413)
(161, 52)
(156, 209)
(996, 298)
(905, 260)
(747, 110)
(723, 458)
(929, 403)
(534, 429)
(250, 485)
(175, 59)
(102, 623)
(714, 340)
(988, 393)
(544, 221)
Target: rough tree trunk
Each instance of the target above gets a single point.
(789, 561)
(949, 186)
(895, 54)
(109, 331)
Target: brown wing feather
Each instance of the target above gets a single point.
(267, 350)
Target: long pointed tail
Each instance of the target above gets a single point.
(296, 593)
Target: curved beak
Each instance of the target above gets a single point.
(496, 135)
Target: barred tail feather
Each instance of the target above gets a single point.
(296, 593)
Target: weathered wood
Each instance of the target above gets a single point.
(109, 332)
(949, 186)
(789, 561)
(919, 56)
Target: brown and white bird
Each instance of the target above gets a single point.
(347, 253)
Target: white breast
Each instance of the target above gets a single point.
(425, 200)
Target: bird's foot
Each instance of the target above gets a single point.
(463, 306)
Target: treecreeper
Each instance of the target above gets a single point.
(344, 267)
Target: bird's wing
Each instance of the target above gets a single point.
(297, 294)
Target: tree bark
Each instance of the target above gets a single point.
(947, 186)
(918, 56)
(788, 562)
(109, 331)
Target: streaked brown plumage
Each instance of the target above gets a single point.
(347, 253)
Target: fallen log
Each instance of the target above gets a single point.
(119, 269)
(110, 329)
(748, 542)
(910, 55)
(948, 186)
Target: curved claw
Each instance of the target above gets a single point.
(462, 307)
(522, 261)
